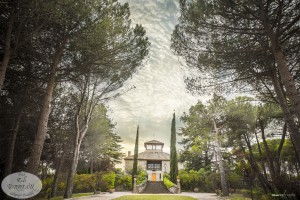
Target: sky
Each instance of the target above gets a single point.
(159, 85)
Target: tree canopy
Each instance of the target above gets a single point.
(249, 45)
(58, 66)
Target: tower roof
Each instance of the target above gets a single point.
(154, 142)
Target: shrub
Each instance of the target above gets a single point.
(167, 175)
(168, 183)
(257, 193)
(61, 186)
(206, 181)
(212, 181)
(185, 180)
(109, 181)
(142, 176)
(89, 183)
(195, 178)
(123, 182)
(100, 181)
(234, 180)
(47, 184)
(84, 183)
(127, 182)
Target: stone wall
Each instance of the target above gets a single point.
(129, 165)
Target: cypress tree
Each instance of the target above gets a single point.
(135, 156)
(173, 153)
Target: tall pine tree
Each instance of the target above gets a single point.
(135, 157)
(173, 153)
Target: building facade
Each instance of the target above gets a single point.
(153, 160)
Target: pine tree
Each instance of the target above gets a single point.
(173, 153)
(135, 157)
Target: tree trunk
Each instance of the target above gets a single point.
(287, 78)
(224, 186)
(80, 129)
(72, 171)
(278, 153)
(263, 180)
(260, 153)
(285, 74)
(10, 157)
(206, 159)
(77, 143)
(268, 153)
(56, 175)
(292, 127)
(91, 163)
(7, 49)
(38, 144)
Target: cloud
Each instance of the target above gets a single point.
(160, 87)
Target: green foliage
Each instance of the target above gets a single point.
(167, 175)
(139, 170)
(142, 176)
(219, 38)
(100, 181)
(257, 194)
(84, 38)
(136, 152)
(234, 179)
(127, 182)
(123, 182)
(195, 177)
(47, 184)
(168, 183)
(210, 39)
(109, 180)
(206, 181)
(287, 154)
(101, 144)
(84, 183)
(197, 133)
(135, 157)
(204, 134)
(75, 195)
(173, 152)
(155, 197)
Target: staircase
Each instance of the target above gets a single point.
(155, 187)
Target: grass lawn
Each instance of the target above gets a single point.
(236, 197)
(82, 194)
(154, 197)
(73, 196)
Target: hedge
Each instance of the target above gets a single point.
(168, 183)
(101, 181)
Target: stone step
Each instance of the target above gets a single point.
(155, 187)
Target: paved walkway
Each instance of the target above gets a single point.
(108, 196)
